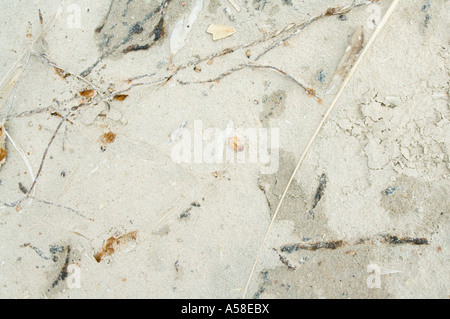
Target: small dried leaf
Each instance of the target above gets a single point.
(3, 151)
(2, 155)
(113, 245)
(61, 73)
(220, 31)
(87, 93)
(120, 97)
(347, 61)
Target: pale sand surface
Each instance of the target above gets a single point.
(199, 226)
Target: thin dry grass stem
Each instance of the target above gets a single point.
(296, 28)
(41, 166)
(308, 90)
(22, 154)
(46, 60)
(218, 78)
(27, 51)
(11, 104)
(61, 206)
(254, 65)
(316, 133)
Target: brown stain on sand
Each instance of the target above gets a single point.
(113, 244)
(107, 138)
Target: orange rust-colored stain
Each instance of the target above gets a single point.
(331, 11)
(120, 97)
(2, 154)
(108, 138)
(311, 92)
(236, 143)
(113, 244)
(59, 115)
(29, 33)
(41, 18)
(61, 73)
(87, 93)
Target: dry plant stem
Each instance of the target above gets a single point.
(253, 65)
(32, 43)
(220, 77)
(15, 89)
(22, 154)
(41, 110)
(316, 133)
(307, 90)
(45, 155)
(61, 206)
(46, 60)
(106, 16)
(299, 27)
(273, 35)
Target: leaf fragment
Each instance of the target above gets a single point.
(120, 97)
(351, 54)
(220, 31)
(87, 93)
(3, 151)
(113, 245)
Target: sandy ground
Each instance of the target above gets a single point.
(112, 215)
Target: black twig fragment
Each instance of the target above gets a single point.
(320, 190)
(136, 47)
(37, 250)
(386, 239)
(394, 240)
(186, 213)
(319, 245)
(63, 273)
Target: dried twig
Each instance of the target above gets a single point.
(41, 166)
(61, 206)
(254, 65)
(27, 50)
(220, 77)
(295, 27)
(22, 154)
(44, 58)
(308, 90)
(300, 26)
(316, 133)
(11, 104)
